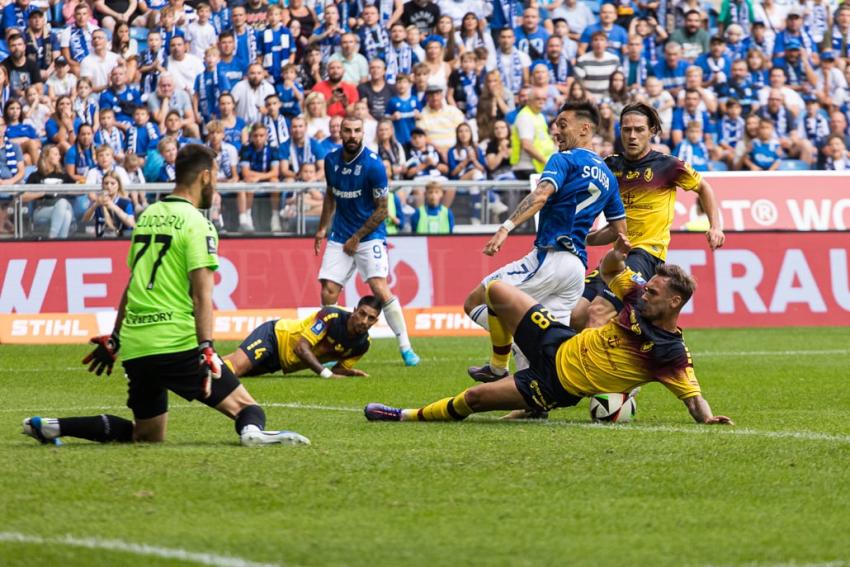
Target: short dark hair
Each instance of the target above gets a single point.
(370, 301)
(652, 118)
(678, 280)
(583, 109)
(227, 33)
(191, 160)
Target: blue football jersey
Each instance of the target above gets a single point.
(355, 185)
(585, 187)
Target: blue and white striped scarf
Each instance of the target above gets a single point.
(731, 131)
(278, 130)
(225, 167)
(399, 60)
(11, 156)
(512, 80)
(306, 154)
(469, 81)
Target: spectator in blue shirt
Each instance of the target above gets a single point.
(617, 35)
(403, 109)
(716, 65)
(794, 31)
(764, 153)
(531, 36)
(691, 112)
(693, 149)
(671, 71)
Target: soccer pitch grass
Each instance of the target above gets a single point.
(773, 490)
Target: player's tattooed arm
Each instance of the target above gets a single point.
(373, 222)
(526, 209)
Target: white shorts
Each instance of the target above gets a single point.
(555, 278)
(370, 260)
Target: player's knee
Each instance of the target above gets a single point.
(475, 398)
(474, 299)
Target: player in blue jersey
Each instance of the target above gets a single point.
(356, 201)
(573, 189)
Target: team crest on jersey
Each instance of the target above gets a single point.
(357, 169)
(647, 174)
(318, 327)
(210, 245)
(646, 347)
(632, 175)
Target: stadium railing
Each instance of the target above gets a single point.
(11, 198)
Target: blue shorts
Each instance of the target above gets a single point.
(261, 348)
(539, 336)
(638, 260)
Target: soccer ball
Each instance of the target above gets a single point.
(612, 408)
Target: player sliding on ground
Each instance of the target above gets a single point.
(165, 323)
(648, 182)
(356, 200)
(329, 335)
(642, 344)
(574, 188)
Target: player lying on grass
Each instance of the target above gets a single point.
(165, 323)
(642, 344)
(329, 335)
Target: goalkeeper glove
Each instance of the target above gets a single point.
(209, 365)
(103, 356)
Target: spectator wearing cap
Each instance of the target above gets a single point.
(16, 15)
(841, 31)
(355, 66)
(531, 36)
(830, 84)
(531, 144)
(424, 14)
(439, 120)
(338, 93)
(595, 67)
(39, 42)
(801, 76)
(692, 37)
(423, 159)
(794, 31)
(99, 63)
(577, 15)
(61, 81)
(616, 35)
(513, 65)
(671, 71)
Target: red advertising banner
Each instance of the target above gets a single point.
(777, 200)
(757, 279)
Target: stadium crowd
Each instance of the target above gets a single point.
(106, 92)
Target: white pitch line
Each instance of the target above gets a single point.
(636, 427)
(134, 549)
(696, 354)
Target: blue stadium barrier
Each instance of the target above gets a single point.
(793, 165)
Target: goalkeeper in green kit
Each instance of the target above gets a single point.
(165, 322)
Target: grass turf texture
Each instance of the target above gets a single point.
(659, 491)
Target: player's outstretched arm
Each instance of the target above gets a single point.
(341, 370)
(614, 261)
(701, 412)
(606, 234)
(708, 202)
(328, 208)
(526, 209)
(304, 351)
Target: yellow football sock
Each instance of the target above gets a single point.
(447, 409)
(500, 339)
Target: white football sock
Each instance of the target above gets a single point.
(479, 315)
(395, 319)
(249, 427)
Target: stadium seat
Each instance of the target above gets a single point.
(793, 165)
(717, 166)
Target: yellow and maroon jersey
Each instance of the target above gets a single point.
(626, 352)
(326, 332)
(648, 190)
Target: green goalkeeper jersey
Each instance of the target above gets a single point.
(171, 239)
